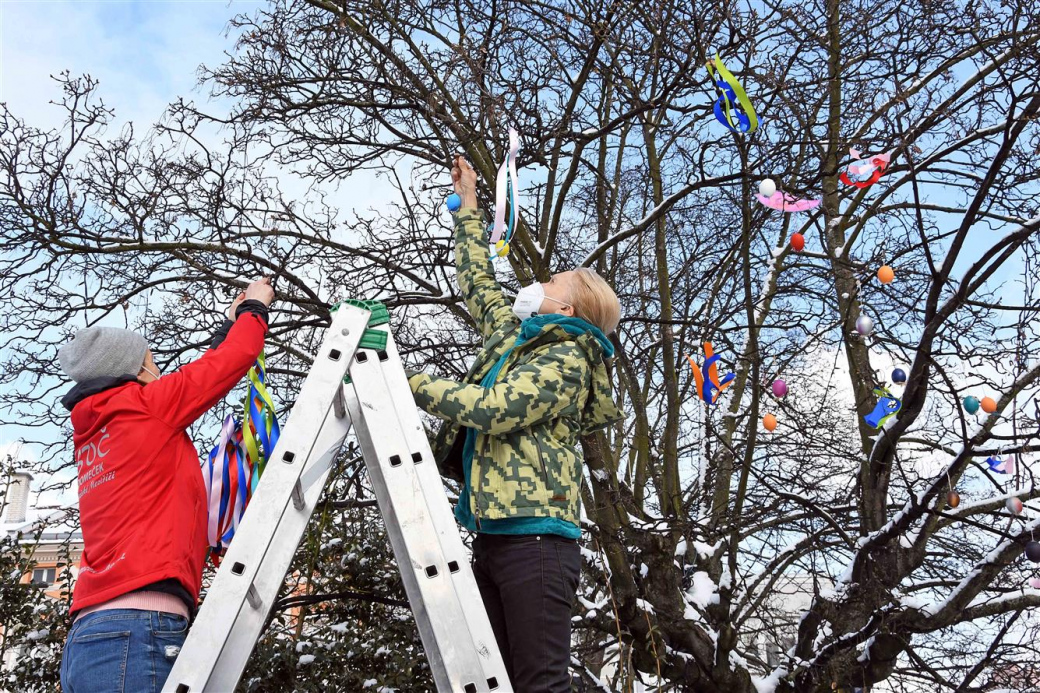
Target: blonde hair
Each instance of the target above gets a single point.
(594, 300)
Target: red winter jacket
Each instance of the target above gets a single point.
(142, 500)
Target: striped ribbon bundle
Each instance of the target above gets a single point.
(238, 459)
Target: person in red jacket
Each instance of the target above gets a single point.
(142, 499)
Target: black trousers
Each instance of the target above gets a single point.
(528, 584)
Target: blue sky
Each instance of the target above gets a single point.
(144, 53)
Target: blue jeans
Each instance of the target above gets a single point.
(121, 651)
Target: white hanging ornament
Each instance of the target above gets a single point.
(1014, 505)
(767, 188)
(864, 325)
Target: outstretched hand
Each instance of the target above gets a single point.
(260, 290)
(465, 180)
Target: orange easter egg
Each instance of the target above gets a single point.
(885, 274)
(989, 405)
(769, 421)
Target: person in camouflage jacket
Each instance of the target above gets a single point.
(511, 435)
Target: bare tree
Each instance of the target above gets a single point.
(702, 527)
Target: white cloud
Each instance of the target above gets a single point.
(144, 53)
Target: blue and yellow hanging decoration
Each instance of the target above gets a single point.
(733, 107)
(237, 461)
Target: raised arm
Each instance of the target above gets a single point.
(181, 397)
(484, 298)
(529, 394)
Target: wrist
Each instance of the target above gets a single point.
(251, 305)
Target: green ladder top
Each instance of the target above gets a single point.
(371, 339)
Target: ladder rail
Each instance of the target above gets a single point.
(443, 517)
(378, 406)
(392, 465)
(206, 660)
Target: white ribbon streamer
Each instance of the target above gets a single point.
(506, 172)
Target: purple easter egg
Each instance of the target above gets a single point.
(779, 388)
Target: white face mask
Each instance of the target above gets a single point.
(529, 299)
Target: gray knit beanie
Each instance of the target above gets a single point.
(99, 352)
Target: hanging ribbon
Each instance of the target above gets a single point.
(1000, 466)
(261, 435)
(733, 107)
(237, 461)
(863, 173)
(506, 189)
(783, 202)
(887, 406)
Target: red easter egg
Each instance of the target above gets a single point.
(797, 242)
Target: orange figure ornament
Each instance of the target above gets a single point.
(709, 387)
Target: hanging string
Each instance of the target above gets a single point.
(1019, 347)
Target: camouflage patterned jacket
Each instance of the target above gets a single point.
(552, 389)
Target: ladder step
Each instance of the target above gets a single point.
(253, 597)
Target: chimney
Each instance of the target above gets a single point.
(16, 499)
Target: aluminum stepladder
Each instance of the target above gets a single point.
(456, 633)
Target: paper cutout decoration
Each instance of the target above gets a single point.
(783, 202)
(886, 407)
(863, 173)
(999, 466)
(733, 107)
(709, 387)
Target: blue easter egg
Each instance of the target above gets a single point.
(454, 202)
(899, 376)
